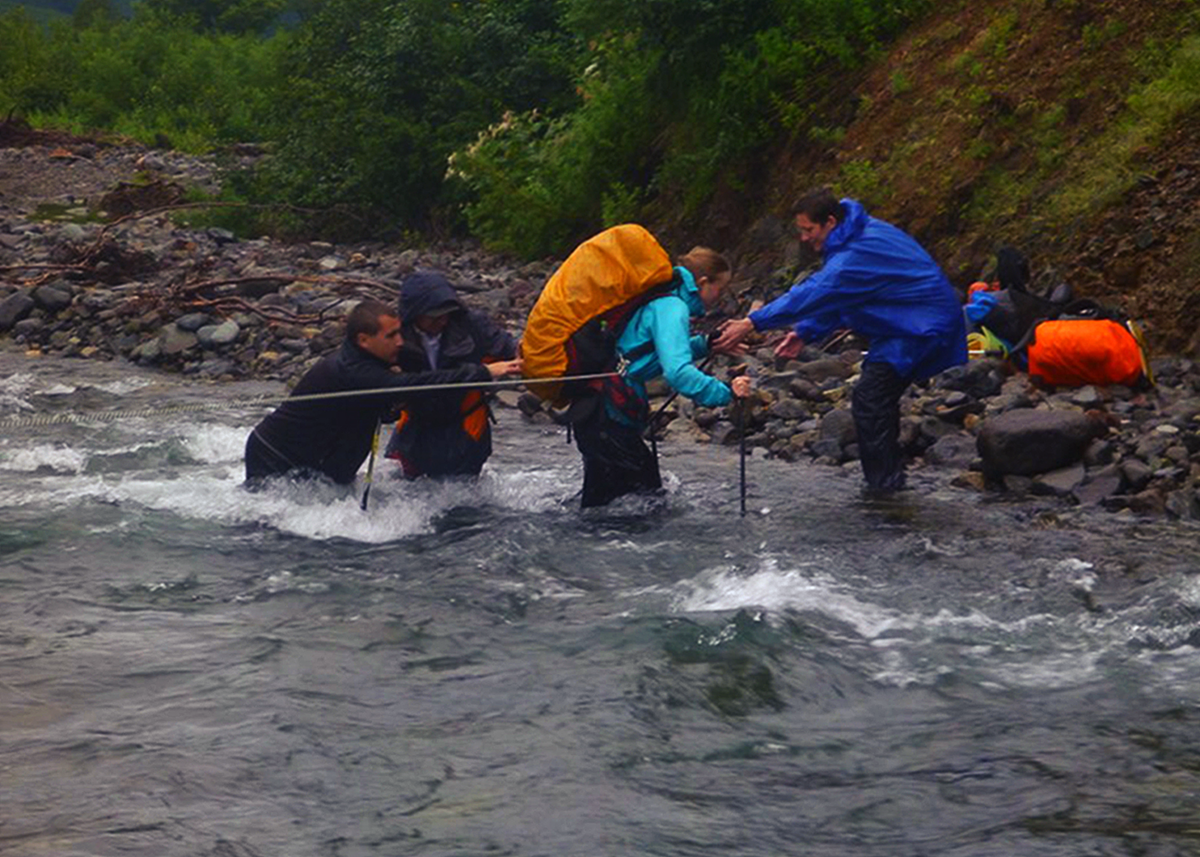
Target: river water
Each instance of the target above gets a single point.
(479, 668)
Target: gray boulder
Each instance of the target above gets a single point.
(1027, 441)
(789, 409)
(52, 298)
(838, 426)
(192, 322)
(175, 340)
(218, 335)
(1099, 486)
(953, 450)
(1061, 482)
(14, 308)
(826, 369)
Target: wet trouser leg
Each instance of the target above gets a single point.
(616, 461)
(876, 408)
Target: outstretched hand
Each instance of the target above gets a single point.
(732, 332)
(738, 349)
(506, 368)
(790, 346)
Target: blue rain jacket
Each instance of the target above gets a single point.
(666, 322)
(879, 282)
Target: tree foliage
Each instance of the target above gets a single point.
(222, 16)
(380, 93)
(676, 98)
(539, 120)
(149, 77)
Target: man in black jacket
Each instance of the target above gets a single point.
(445, 433)
(332, 437)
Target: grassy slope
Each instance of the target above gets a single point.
(1065, 127)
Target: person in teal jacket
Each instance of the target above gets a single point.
(879, 282)
(657, 341)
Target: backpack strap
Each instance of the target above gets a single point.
(663, 290)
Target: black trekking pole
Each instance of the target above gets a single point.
(742, 450)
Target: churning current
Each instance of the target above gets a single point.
(480, 668)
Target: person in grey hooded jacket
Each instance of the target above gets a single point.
(446, 433)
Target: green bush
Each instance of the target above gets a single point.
(380, 94)
(145, 78)
(540, 120)
(675, 99)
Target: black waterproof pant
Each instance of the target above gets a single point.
(876, 408)
(263, 461)
(616, 460)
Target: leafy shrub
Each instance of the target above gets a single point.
(380, 94)
(146, 78)
(675, 99)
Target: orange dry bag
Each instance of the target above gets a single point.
(1078, 351)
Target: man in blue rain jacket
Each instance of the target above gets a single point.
(877, 281)
(656, 342)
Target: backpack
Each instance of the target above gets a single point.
(1088, 344)
(1005, 307)
(585, 305)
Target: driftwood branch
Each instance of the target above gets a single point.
(190, 295)
(233, 304)
(44, 266)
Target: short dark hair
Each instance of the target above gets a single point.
(364, 318)
(819, 205)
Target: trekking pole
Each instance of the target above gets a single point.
(742, 451)
(371, 463)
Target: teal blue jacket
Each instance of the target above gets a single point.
(667, 323)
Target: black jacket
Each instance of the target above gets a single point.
(333, 437)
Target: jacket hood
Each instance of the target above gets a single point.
(421, 292)
(850, 227)
(690, 292)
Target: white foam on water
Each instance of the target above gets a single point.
(1189, 592)
(216, 444)
(211, 490)
(313, 511)
(1036, 651)
(1049, 671)
(122, 386)
(53, 457)
(801, 588)
(14, 389)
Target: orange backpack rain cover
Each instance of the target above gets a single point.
(1075, 352)
(603, 272)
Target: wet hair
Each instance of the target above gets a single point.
(704, 262)
(819, 205)
(364, 318)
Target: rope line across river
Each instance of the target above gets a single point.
(69, 417)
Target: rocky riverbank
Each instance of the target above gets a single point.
(93, 266)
